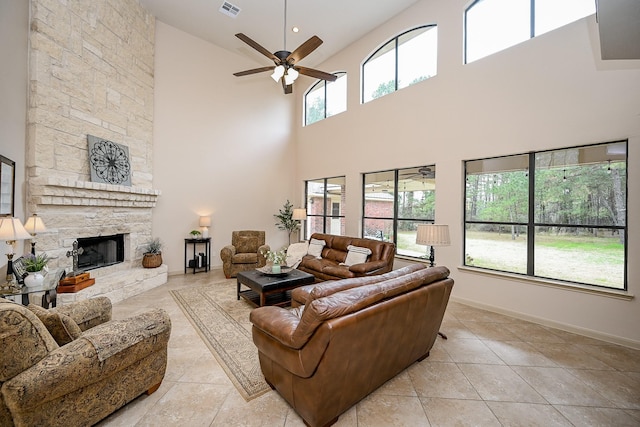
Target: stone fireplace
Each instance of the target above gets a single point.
(91, 73)
(100, 251)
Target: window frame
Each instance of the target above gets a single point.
(532, 223)
(393, 40)
(396, 219)
(325, 215)
(339, 74)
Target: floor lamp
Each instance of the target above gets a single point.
(34, 225)
(433, 235)
(299, 214)
(11, 229)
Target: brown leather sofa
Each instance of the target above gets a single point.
(335, 252)
(344, 343)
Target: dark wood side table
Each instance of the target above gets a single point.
(197, 263)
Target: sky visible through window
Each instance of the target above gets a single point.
(494, 25)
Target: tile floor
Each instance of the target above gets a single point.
(493, 370)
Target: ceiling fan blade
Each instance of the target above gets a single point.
(253, 71)
(304, 49)
(258, 47)
(287, 88)
(316, 73)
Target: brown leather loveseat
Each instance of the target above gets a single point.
(349, 340)
(335, 252)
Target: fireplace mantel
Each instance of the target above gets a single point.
(67, 192)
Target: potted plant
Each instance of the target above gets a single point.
(34, 265)
(195, 234)
(152, 258)
(286, 221)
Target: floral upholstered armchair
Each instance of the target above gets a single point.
(73, 365)
(244, 253)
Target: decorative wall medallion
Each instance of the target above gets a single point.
(109, 162)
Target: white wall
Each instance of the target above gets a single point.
(222, 145)
(14, 25)
(549, 92)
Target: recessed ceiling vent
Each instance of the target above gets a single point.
(229, 9)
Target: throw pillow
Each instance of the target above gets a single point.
(61, 327)
(356, 255)
(315, 247)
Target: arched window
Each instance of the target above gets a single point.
(494, 25)
(325, 99)
(402, 61)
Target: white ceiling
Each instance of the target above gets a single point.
(337, 22)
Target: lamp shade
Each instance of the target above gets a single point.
(277, 73)
(35, 225)
(205, 221)
(299, 214)
(11, 229)
(433, 235)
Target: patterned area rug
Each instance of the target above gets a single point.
(223, 323)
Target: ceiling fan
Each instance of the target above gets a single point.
(423, 172)
(285, 66)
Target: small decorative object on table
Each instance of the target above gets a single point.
(35, 265)
(276, 258)
(152, 258)
(195, 234)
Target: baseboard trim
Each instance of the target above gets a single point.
(613, 339)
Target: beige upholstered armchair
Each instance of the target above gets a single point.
(72, 365)
(244, 253)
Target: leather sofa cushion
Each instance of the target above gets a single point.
(354, 299)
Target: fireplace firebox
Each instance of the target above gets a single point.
(100, 251)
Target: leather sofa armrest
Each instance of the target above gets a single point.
(277, 322)
(77, 364)
(368, 267)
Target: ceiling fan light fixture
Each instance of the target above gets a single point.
(278, 72)
(290, 76)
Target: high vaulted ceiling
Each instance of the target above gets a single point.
(337, 22)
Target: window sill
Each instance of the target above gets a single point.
(610, 293)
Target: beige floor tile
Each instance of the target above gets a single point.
(490, 331)
(136, 410)
(511, 414)
(455, 412)
(569, 355)
(267, 410)
(621, 358)
(443, 380)
(532, 333)
(621, 388)
(581, 416)
(559, 387)
(470, 351)
(400, 385)
(383, 411)
(519, 353)
(500, 383)
(454, 329)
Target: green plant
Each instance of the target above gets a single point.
(154, 246)
(33, 263)
(195, 233)
(285, 219)
(276, 257)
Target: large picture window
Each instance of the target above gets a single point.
(494, 25)
(325, 206)
(395, 203)
(558, 214)
(402, 61)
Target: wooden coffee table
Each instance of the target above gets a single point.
(271, 290)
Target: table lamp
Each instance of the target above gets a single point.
(433, 235)
(205, 223)
(34, 225)
(299, 214)
(11, 229)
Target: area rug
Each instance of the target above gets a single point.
(223, 323)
